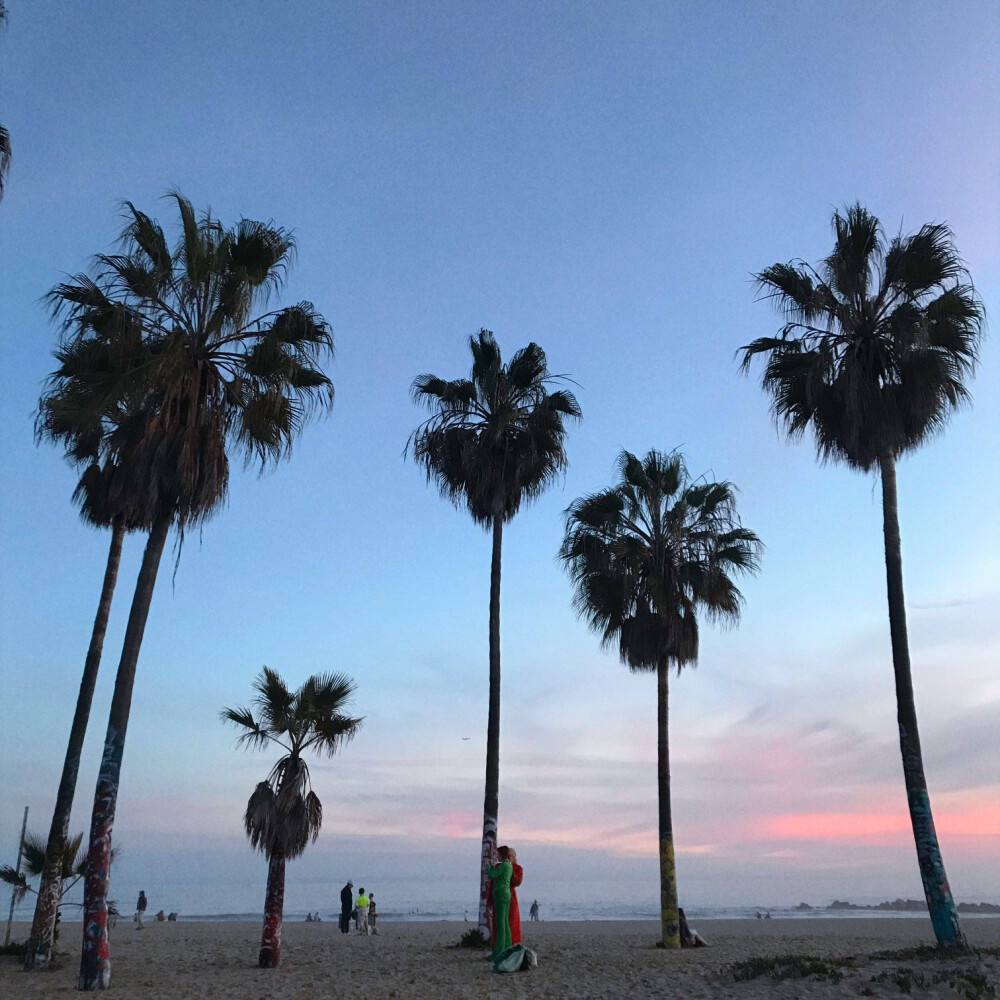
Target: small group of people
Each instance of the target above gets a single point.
(140, 912)
(361, 909)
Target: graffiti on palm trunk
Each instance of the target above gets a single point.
(95, 962)
(937, 891)
(485, 858)
(668, 889)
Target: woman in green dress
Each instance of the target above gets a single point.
(500, 872)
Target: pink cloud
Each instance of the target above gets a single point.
(972, 821)
(460, 823)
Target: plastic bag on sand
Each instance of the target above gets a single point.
(512, 959)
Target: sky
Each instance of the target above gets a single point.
(603, 179)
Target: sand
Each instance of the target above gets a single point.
(577, 961)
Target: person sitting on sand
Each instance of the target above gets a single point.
(500, 872)
(361, 905)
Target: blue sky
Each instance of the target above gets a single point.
(602, 179)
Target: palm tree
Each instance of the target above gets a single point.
(646, 556)
(213, 375)
(495, 441)
(873, 356)
(72, 861)
(67, 419)
(284, 814)
(4, 134)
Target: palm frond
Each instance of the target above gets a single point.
(872, 357)
(17, 882)
(495, 440)
(645, 556)
(261, 819)
(254, 734)
(4, 157)
(163, 348)
(274, 700)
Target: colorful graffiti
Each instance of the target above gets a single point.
(95, 961)
(937, 891)
(486, 858)
(669, 917)
(274, 902)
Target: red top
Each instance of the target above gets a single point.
(514, 914)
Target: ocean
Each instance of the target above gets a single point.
(569, 911)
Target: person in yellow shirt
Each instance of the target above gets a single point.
(361, 908)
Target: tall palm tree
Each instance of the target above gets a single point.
(4, 134)
(877, 343)
(646, 556)
(65, 418)
(215, 375)
(284, 814)
(495, 440)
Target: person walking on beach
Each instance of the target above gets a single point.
(500, 872)
(361, 905)
(140, 908)
(346, 905)
(533, 912)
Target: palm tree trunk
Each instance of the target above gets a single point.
(95, 961)
(669, 919)
(38, 949)
(492, 797)
(274, 902)
(940, 904)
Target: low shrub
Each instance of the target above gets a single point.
(780, 967)
(473, 939)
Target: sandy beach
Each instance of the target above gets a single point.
(577, 960)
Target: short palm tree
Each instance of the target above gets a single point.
(215, 374)
(495, 441)
(646, 556)
(873, 356)
(71, 859)
(68, 420)
(284, 814)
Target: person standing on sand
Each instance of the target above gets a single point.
(372, 915)
(533, 912)
(500, 872)
(361, 905)
(514, 914)
(346, 905)
(140, 908)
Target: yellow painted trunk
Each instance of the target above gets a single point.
(669, 918)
